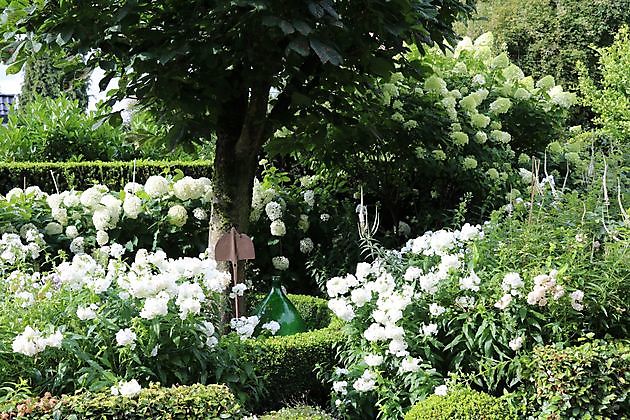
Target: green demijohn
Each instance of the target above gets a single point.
(277, 307)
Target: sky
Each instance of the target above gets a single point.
(11, 85)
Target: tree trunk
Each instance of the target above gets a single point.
(240, 137)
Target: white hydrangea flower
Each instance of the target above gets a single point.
(72, 232)
(280, 263)
(60, 215)
(309, 198)
(278, 228)
(53, 228)
(273, 210)
(156, 186)
(303, 224)
(306, 246)
(200, 214)
(500, 106)
(116, 250)
(132, 206)
(77, 245)
(188, 188)
(177, 215)
(102, 237)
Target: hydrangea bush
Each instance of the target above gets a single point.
(98, 321)
(171, 214)
(419, 144)
(471, 301)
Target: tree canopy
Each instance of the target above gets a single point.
(237, 69)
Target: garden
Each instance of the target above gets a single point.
(316, 210)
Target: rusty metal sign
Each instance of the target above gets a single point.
(234, 247)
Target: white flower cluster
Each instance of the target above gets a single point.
(244, 326)
(272, 326)
(126, 388)
(545, 284)
(13, 251)
(32, 341)
(280, 263)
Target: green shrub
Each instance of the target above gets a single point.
(461, 404)
(298, 413)
(550, 36)
(54, 74)
(183, 402)
(287, 365)
(82, 175)
(585, 381)
(48, 129)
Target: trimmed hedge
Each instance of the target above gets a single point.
(287, 365)
(461, 404)
(587, 381)
(82, 175)
(298, 413)
(183, 402)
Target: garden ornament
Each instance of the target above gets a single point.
(234, 247)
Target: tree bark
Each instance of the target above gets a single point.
(240, 137)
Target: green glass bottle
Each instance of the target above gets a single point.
(277, 307)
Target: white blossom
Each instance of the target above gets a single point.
(126, 337)
(271, 326)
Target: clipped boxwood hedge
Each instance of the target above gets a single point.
(587, 381)
(461, 404)
(82, 175)
(183, 402)
(304, 412)
(287, 366)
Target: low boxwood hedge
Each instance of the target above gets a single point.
(157, 403)
(461, 404)
(82, 175)
(304, 412)
(587, 381)
(287, 366)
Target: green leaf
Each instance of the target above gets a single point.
(300, 46)
(302, 27)
(286, 27)
(326, 53)
(316, 10)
